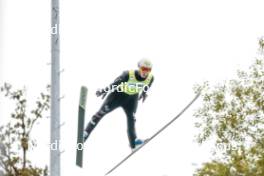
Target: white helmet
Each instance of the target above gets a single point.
(145, 63)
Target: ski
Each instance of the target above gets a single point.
(81, 120)
(153, 136)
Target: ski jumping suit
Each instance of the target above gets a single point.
(123, 95)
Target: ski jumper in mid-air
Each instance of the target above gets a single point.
(125, 92)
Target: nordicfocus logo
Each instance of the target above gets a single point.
(56, 146)
(127, 87)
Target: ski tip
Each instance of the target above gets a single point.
(84, 88)
(83, 96)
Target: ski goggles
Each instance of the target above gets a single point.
(145, 69)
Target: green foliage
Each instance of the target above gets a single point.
(214, 168)
(232, 114)
(15, 136)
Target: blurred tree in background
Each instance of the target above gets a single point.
(15, 136)
(232, 116)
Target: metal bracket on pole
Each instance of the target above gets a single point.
(61, 71)
(62, 97)
(62, 124)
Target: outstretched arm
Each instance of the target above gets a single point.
(122, 78)
(144, 94)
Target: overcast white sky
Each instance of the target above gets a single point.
(188, 41)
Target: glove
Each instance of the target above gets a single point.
(143, 96)
(100, 93)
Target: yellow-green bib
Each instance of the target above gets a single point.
(133, 86)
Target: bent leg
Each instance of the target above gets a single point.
(111, 103)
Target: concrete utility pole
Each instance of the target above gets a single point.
(55, 91)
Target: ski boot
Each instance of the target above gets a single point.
(138, 143)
